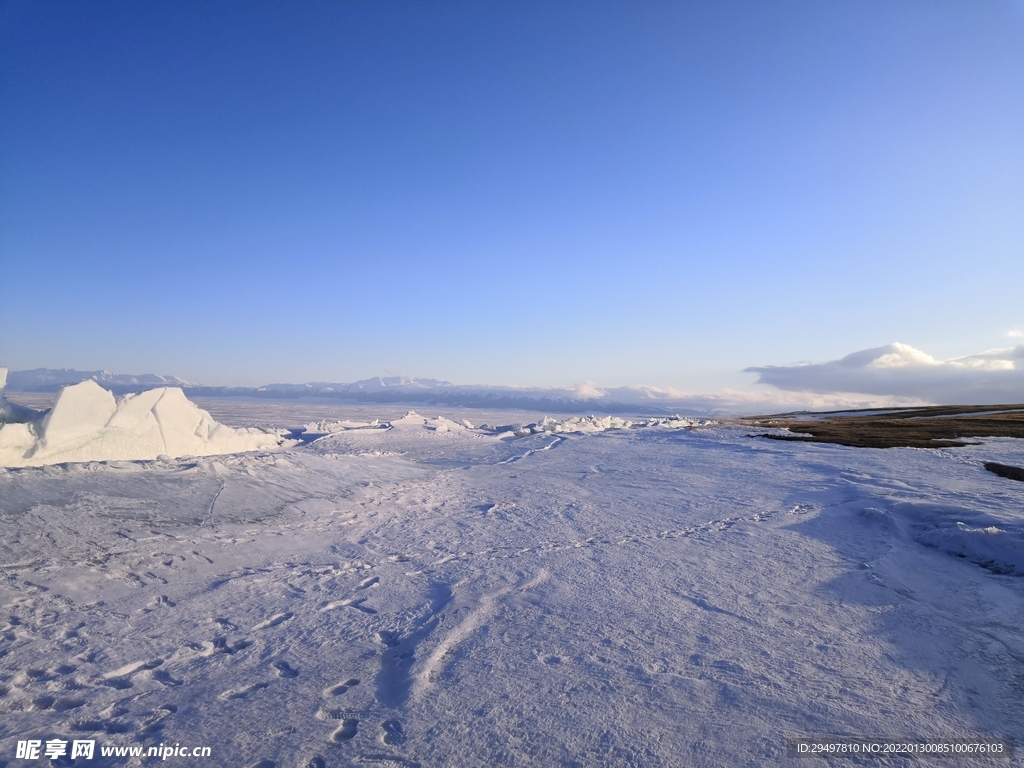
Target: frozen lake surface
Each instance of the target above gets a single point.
(412, 596)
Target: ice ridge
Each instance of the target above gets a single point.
(86, 423)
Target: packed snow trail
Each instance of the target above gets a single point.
(638, 596)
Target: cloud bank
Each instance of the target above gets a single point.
(900, 371)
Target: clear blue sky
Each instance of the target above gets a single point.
(509, 193)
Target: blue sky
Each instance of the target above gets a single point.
(517, 193)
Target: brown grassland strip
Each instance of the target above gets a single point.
(925, 427)
(1005, 470)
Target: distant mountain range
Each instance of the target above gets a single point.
(52, 379)
(398, 390)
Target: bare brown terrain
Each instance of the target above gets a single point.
(1005, 470)
(939, 426)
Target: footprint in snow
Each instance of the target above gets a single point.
(340, 688)
(86, 726)
(393, 733)
(241, 693)
(357, 603)
(164, 677)
(153, 721)
(219, 645)
(120, 683)
(336, 714)
(346, 731)
(284, 669)
(273, 621)
(158, 602)
(390, 639)
(130, 669)
(42, 703)
(66, 704)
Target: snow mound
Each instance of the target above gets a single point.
(593, 424)
(439, 424)
(411, 420)
(992, 543)
(325, 427)
(86, 423)
(414, 422)
(582, 424)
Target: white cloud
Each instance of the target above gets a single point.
(1015, 334)
(900, 371)
(587, 390)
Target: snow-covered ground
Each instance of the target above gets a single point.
(400, 594)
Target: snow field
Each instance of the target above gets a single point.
(405, 595)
